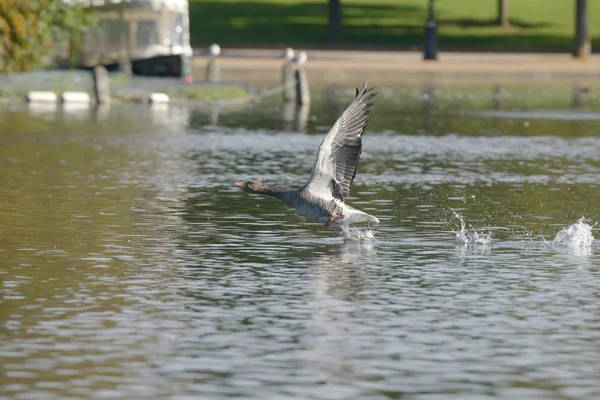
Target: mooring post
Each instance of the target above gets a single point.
(212, 68)
(302, 89)
(289, 91)
(101, 84)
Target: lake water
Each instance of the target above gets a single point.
(131, 267)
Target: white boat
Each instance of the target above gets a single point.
(153, 34)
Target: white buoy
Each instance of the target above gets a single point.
(35, 97)
(288, 53)
(156, 98)
(75, 97)
(300, 58)
(214, 50)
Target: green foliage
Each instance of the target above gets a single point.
(30, 30)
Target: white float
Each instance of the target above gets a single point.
(75, 97)
(158, 98)
(43, 97)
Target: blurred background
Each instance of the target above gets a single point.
(85, 33)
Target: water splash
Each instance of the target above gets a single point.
(578, 235)
(474, 237)
(357, 234)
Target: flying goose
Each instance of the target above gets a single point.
(323, 196)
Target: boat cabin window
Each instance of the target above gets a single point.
(112, 31)
(147, 32)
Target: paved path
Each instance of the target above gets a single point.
(407, 61)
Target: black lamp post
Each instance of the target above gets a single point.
(430, 50)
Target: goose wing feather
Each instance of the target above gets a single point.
(339, 152)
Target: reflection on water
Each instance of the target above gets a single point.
(295, 117)
(133, 268)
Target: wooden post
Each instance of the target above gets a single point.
(289, 91)
(302, 89)
(212, 71)
(212, 68)
(287, 75)
(101, 84)
(583, 47)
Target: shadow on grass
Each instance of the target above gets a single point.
(252, 23)
(396, 27)
(481, 23)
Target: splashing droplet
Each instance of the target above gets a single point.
(474, 237)
(578, 235)
(359, 234)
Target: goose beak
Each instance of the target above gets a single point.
(241, 185)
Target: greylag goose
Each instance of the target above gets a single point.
(323, 196)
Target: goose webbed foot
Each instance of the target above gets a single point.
(329, 223)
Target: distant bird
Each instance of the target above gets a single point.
(300, 58)
(323, 196)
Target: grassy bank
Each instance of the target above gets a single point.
(123, 88)
(466, 25)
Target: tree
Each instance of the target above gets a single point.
(583, 47)
(30, 29)
(335, 21)
(503, 18)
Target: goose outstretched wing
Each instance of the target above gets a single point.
(339, 152)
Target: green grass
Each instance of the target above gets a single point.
(537, 25)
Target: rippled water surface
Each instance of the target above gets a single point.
(131, 267)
